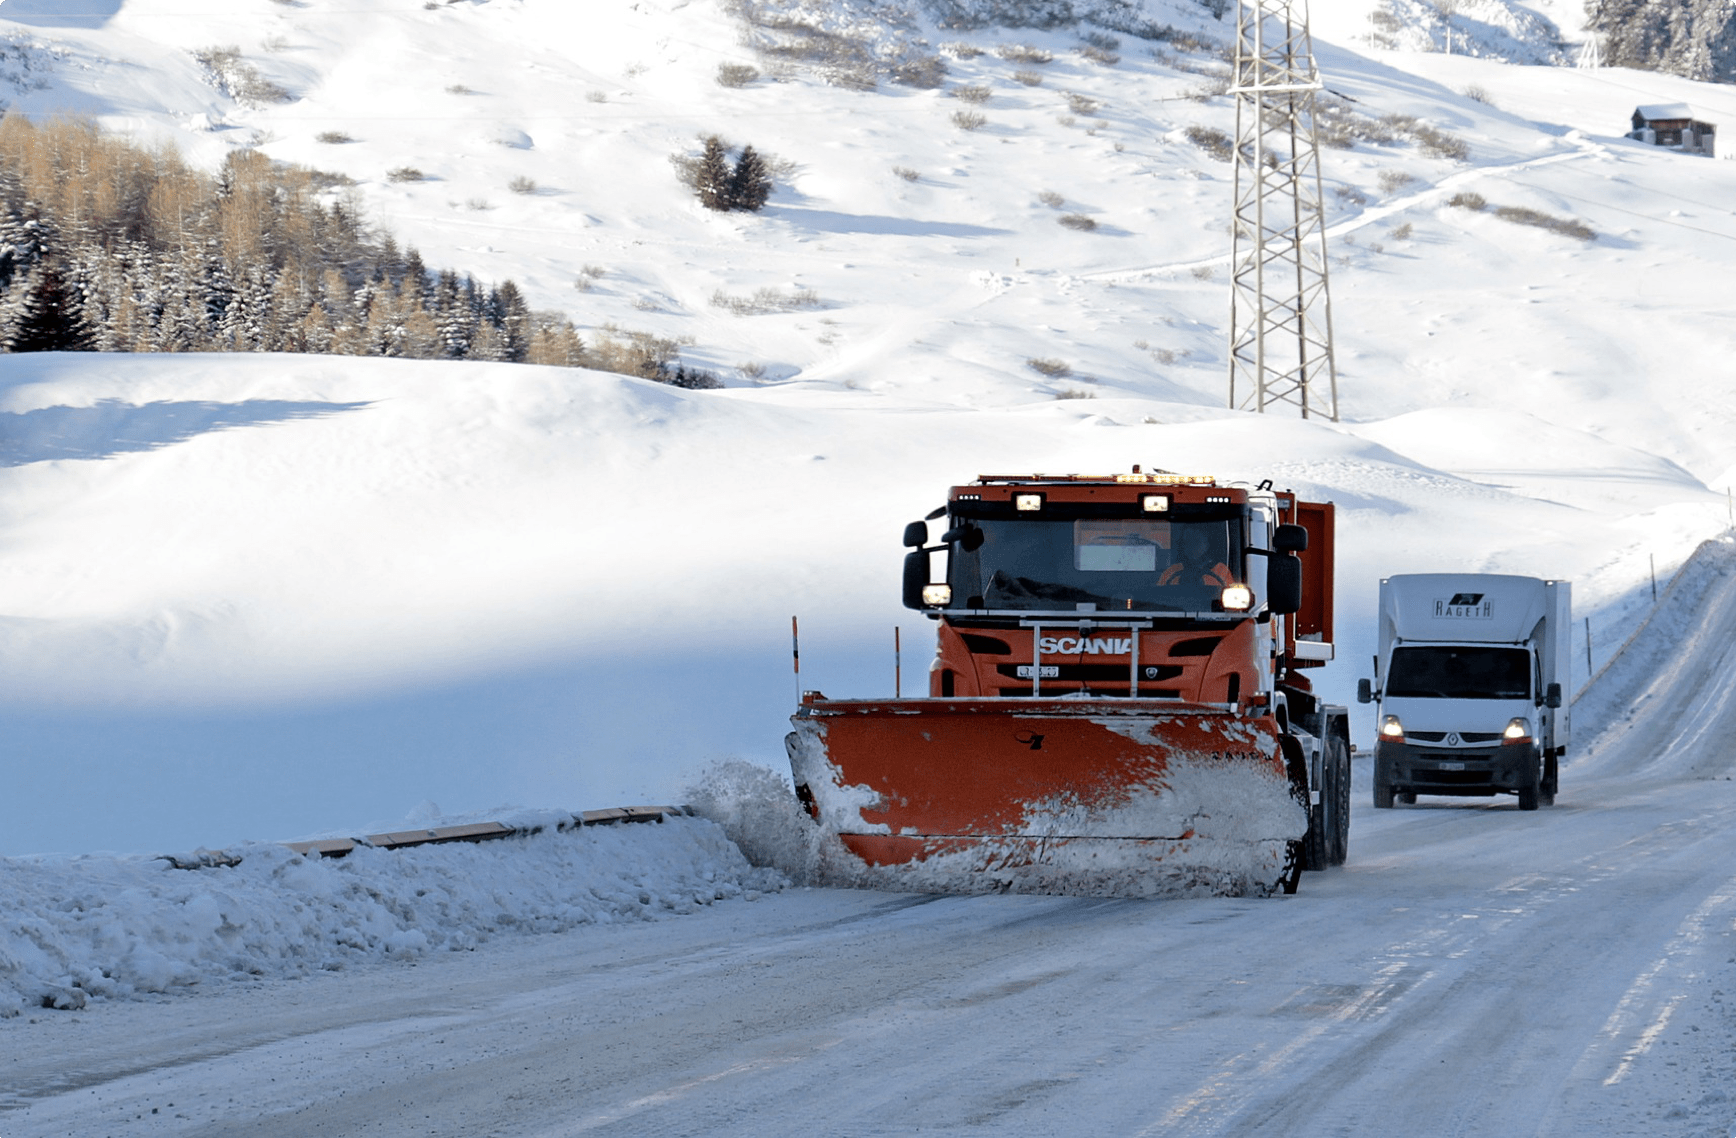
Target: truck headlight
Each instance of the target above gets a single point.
(936, 594)
(1518, 731)
(1391, 729)
(1237, 598)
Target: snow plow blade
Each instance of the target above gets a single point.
(1129, 797)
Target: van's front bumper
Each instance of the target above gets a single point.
(1412, 768)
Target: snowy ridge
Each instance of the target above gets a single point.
(1481, 29)
(128, 927)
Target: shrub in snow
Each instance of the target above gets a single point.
(333, 137)
(1051, 199)
(925, 72)
(1024, 53)
(906, 173)
(1467, 200)
(1078, 221)
(1082, 104)
(647, 356)
(405, 174)
(1211, 140)
(974, 93)
(968, 120)
(1075, 393)
(1028, 78)
(522, 185)
(239, 80)
(1567, 227)
(736, 74)
(1391, 180)
(766, 300)
(1054, 369)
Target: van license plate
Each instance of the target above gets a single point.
(1450, 766)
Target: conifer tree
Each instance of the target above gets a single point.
(713, 181)
(750, 184)
(49, 316)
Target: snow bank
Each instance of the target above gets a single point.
(116, 928)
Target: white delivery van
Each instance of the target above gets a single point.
(1468, 683)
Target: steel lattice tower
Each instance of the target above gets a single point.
(1280, 309)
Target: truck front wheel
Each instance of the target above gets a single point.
(1338, 759)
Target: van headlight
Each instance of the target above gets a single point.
(1518, 731)
(1391, 729)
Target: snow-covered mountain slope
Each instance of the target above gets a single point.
(251, 597)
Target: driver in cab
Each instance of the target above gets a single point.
(1197, 563)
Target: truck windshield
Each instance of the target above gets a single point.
(1460, 672)
(1137, 564)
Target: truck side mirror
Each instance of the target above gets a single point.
(1552, 696)
(1283, 584)
(915, 534)
(969, 537)
(915, 577)
(1289, 539)
(1364, 691)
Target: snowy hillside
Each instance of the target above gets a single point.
(260, 597)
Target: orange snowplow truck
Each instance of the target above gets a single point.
(1117, 703)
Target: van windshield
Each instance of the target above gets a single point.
(1440, 671)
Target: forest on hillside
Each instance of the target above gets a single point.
(112, 247)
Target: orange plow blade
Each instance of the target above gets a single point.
(1099, 798)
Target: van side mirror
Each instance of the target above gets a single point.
(1552, 696)
(915, 577)
(1290, 539)
(1283, 584)
(915, 534)
(1364, 691)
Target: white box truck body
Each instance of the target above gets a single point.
(1469, 681)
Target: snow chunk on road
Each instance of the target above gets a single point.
(120, 927)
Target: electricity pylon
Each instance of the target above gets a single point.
(1280, 308)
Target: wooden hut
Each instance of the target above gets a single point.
(1673, 125)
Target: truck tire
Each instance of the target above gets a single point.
(1338, 755)
(1408, 797)
(1551, 779)
(1313, 843)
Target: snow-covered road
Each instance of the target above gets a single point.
(1473, 971)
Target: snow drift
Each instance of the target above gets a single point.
(119, 928)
